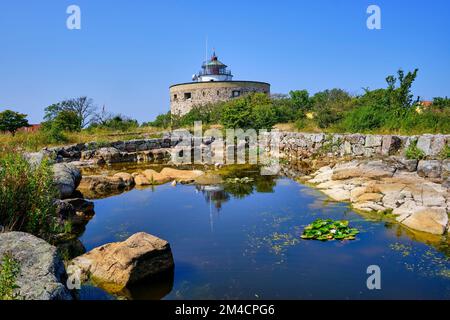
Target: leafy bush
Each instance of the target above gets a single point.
(162, 121)
(65, 120)
(413, 152)
(264, 117)
(9, 270)
(237, 114)
(325, 230)
(117, 123)
(27, 195)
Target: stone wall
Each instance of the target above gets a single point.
(292, 147)
(305, 145)
(295, 147)
(202, 93)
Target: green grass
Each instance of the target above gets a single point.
(9, 271)
(413, 152)
(27, 196)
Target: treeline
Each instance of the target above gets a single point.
(391, 109)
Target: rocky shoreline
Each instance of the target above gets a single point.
(369, 171)
(388, 187)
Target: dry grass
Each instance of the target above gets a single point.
(35, 141)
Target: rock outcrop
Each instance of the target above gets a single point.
(42, 273)
(152, 177)
(114, 266)
(67, 178)
(382, 186)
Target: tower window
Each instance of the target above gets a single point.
(187, 95)
(236, 93)
(218, 92)
(175, 97)
(204, 94)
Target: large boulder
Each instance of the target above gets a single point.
(78, 212)
(372, 170)
(107, 155)
(42, 273)
(429, 168)
(167, 174)
(431, 220)
(114, 266)
(67, 178)
(102, 183)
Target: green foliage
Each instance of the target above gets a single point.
(83, 107)
(118, 123)
(237, 114)
(325, 230)
(162, 121)
(413, 152)
(65, 120)
(264, 117)
(27, 194)
(387, 110)
(9, 271)
(445, 153)
(11, 121)
(329, 106)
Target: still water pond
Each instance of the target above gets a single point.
(243, 242)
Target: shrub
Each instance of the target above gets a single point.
(413, 152)
(264, 117)
(363, 119)
(237, 114)
(27, 195)
(162, 121)
(9, 270)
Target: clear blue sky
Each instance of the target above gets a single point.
(128, 53)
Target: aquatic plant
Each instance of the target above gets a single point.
(325, 230)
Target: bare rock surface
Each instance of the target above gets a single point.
(42, 273)
(418, 201)
(67, 178)
(113, 266)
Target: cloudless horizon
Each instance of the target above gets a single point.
(128, 53)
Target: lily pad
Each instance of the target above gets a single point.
(325, 230)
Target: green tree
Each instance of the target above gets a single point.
(237, 114)
(11, 121)
(264, 117)
(82, 106)
(329, 106)
(67, 120)
(301, 100)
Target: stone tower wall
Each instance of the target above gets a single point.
(184, 96)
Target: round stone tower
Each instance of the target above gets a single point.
(212, 84)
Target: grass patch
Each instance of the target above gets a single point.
(27, 194)
(9, 271)
(413, 152)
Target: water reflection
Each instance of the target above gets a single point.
(237, 240)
